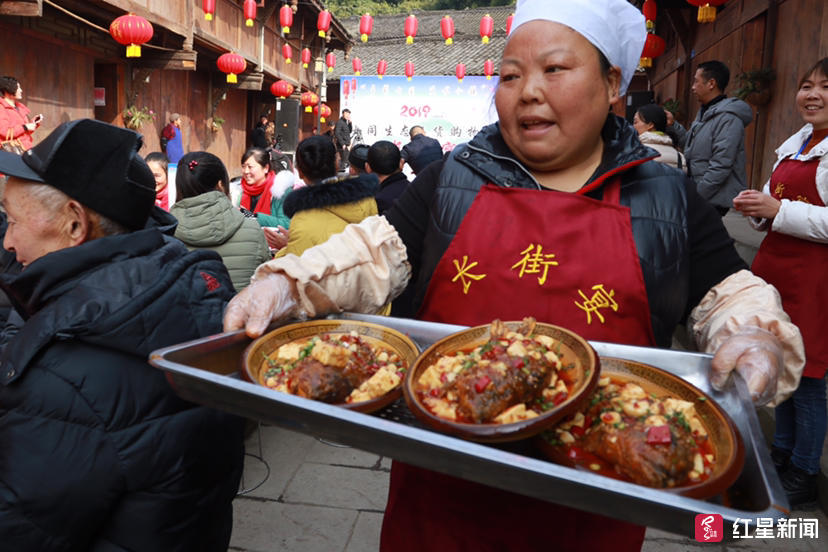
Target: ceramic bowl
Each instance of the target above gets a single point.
(255, 365)
(574, 349)
(724, 437)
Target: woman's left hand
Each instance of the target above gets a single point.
(757, 355)
(277, 237)
(754, 203)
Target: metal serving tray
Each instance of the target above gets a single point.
(206, 371)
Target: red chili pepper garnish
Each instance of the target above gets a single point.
(519, 364)
(577, 431)
(443, 377)
(481, 383)
(659, 435)
(559, 397)
(434, 392)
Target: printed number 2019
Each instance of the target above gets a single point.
(415, 111)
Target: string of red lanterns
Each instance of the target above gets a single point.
(654, 45)
(131, 30)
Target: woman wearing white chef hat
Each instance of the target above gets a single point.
(624, 248)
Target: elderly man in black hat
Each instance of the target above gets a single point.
(98, 453)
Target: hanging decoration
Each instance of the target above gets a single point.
(447, 28)
(509, 24)
(410, 28)
(322, 111)
(409, 69)
(486, 28)
(356, 63)
(281, 89)
(460, 71)
(488, 68)
(366, 27)
(131, 30)
(232, 64)
(249, 12)
(653, 47)
(306, 57)
(649, 10)
(323, 22)
(707, 9)
(346, 88)
(287, 52)
(286, 18)
(209, 7)
(330, 61)
(382, 67)
(308, 99)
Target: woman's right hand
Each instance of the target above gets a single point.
(277, 237)
(267, 299)
(753, 203)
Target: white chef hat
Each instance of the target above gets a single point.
(615, 27)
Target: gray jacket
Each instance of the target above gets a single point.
(715, 151)
(209, 221)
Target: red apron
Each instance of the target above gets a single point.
(565, 259)
(797, 267)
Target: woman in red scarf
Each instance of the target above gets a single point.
(264, 191)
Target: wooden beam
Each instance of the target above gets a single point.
(251, 81)
(27, 8)
(182, 60)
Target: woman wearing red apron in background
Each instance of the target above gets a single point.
(557, 211)
(794, 258)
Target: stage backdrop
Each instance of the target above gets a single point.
(449, 110)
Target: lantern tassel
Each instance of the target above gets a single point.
(286, 30)
(208, 16)
(322, 34)
(231, 77)
(485, 40)
(449, 41)
(133, 50)
(288, 61)
(356, 73)
(363, 37)
(409, 40)
(308, 109)
(249, 22)
(321, 119)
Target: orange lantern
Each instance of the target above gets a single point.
(281, 89)
(209, 7)
(460, 71)
(486, 28)
(308, 99)
(232, 64)
(131, 30)
(285, 18)
(287, 53)
(321, 111)
(653, 47)
(509, 23)
(306, 57)
(409, 69)
(356, 63)
(488, 68)
(649, 10)
(447, 28)
(707, 9)
(410, 28)
(323, 22)
(249, 12)
(366, 27)
(382, 67)
(330, 61)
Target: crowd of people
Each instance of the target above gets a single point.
(101, 266)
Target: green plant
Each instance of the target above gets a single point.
(135, 117)
(673, 106)
(216, 122)
(753, 81)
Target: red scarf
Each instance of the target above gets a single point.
(162, 199)
(249, 191)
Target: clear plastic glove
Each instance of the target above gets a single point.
(266, 299)
(757, 355)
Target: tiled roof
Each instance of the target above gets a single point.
(429, 52)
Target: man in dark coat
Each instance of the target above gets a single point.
(384, 160)
(258, 136)
(422, 150)
(98, 452)
(342, 137)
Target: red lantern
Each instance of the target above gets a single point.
(488, 68)
(382, 67)
(321, 111)
(209, 7)
(232, 64)
(132, 31)
(323, 22)
(486, 28)
(356, 63)
(346, 88)
(707, 9)
(249, 12)
(330, 61)
(509, 23)
(649, 10)
(306, 57)
(366, 27)
(410, 28)
(409, 69)
(447, 28)
(460, 71)
(353, 85)
(653, 47)
(308, 99)
(287, 52)
(285, 18)
(281, 89)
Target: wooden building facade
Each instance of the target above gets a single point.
(68, 64)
